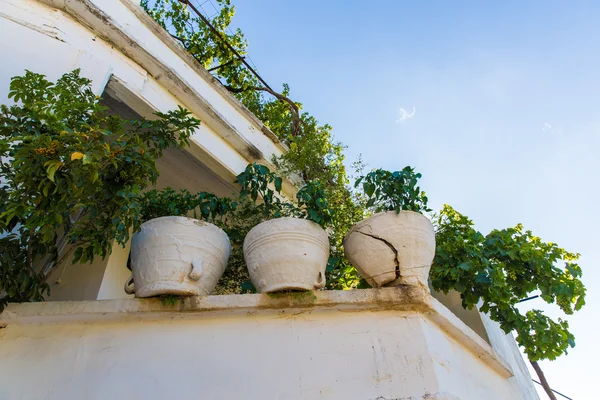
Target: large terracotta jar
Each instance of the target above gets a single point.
(392, 246)
(286, 254)
(177, 255)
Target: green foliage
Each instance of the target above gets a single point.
(246, 215)
(313, 204)
(256, 182)
(196, 37)
(259, 183)
(70, 174)
(167, 202)
(502, 268)
(393, 191)
(316, 157)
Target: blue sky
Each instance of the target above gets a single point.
(501, 112)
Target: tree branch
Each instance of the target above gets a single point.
(29, 255)
(543, 380)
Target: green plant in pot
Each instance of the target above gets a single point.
(290, 250)
(174, 253)
(397, 242)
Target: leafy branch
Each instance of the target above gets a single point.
(494, 272)
(393, 191)
(202, 205)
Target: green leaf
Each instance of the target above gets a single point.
(247, 286)
(47, 188)
(363, 284)
(482, 278)
(277, 183)
(574, 270)
(465, 266)
(77, 255)
(314, 216)
(51, 169)
(332, 263)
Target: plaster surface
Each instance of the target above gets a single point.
(391, 343)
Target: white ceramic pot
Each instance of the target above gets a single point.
(286, 254)
(177, 255)
(389, 246)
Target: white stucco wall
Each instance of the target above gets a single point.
(507, 347)
(363, 344)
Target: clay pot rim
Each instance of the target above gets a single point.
(319, 233)
(202, 224)
(381, 214)
(278, 220)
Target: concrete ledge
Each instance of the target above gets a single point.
(401, 299)
(409, 299)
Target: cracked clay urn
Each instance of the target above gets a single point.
(177, 255)
(286, 254)
(389, 246)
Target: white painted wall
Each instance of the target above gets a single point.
(70, 281)
(350, 348)
(472, 317)
(115, 274)
(507, 347)
(491, 332)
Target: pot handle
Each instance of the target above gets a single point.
(129, 285)
(320, 281)
(197, 269)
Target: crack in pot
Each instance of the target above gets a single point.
(388, 244)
